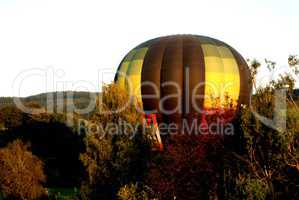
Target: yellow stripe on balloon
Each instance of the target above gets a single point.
(221, 75)
(213, 75)
(134, 74)
(122, 72)
(231, 85)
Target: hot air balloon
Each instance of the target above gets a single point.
(177, 77)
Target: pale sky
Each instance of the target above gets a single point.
(79, 38)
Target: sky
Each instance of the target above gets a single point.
(49, 45)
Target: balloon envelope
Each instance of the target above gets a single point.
(183, 76)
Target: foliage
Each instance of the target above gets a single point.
(11, 117)
(21, 173)
(258, 162)
(266, 163)
(114, 157)
(249, 188)
(188, 168)
(135, 192)
(254, 65)
(51, 140)
(293, 61)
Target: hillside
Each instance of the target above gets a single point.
(79, 99)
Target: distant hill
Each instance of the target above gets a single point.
(55, 99)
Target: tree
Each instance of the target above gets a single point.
(293, 61)
(11, 116)
(266, 163)
(254, 65)
(51, 139)
(115, 154)
(21, 173)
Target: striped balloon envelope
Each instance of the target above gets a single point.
(184, 76)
